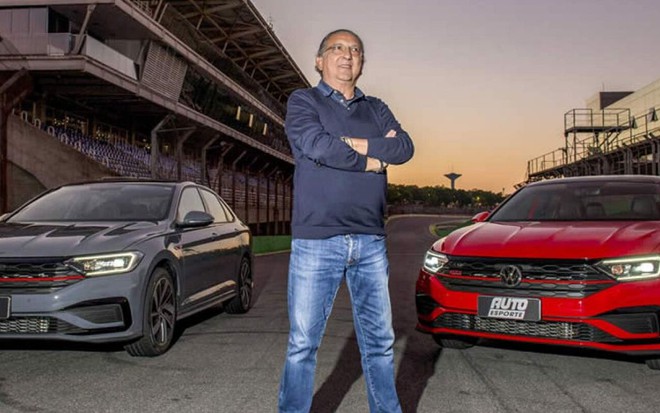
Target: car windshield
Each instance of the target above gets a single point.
(100, 202)
(583, 201)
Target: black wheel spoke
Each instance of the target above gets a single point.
(162, 311)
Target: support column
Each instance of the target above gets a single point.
(233, 180)
(270, 224)
(4, 135)
(289, 189)
(260, 176)
(77, 47)
(154, 146)
(179, 151)
(15, 89)
(276, 211)
(203, 167)
(247, 189)
(221, 167)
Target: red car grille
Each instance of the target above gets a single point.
(547, 278)
(543, 329)
(35, 273)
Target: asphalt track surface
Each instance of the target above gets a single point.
(226, 363)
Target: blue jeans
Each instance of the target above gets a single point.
(317, 268)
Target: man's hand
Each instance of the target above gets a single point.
(360, 145)
(375, 165)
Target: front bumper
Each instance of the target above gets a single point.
(93, 310)
(621, 318)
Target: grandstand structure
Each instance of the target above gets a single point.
(616, 133)
(166, 89)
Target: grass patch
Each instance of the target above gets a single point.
(271, 243)
(442, 230)
(274, 243)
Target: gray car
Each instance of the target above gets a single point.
(120, 261)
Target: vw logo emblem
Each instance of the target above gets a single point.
(511, 275)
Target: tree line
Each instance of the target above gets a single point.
(440, 196)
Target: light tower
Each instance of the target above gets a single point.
(453, 177)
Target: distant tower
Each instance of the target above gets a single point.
(453, 177)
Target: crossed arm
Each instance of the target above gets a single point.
(361, 146)
(307, 134)
(396, 148)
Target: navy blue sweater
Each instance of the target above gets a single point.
(332, 194)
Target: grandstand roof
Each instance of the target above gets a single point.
(240, 32)
(228, 40)
(234, 29)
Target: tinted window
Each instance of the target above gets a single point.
(592, 201)
(190, 201)
(214, 207)
(100, 202)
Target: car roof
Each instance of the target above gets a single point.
(138, 181)
(600, 178)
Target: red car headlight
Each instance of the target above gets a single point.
(631, 269)
(434, 261)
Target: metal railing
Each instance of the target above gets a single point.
(588, 119)
(612, 132)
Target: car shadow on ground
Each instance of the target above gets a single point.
(560, 350)
(63, 345)
(58, 345)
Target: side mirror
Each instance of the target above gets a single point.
(195, 219)
(480, 217)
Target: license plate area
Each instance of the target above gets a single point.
(5, 305)
(509, 308)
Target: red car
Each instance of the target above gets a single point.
(572, 262)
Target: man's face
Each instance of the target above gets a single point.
(341, 61)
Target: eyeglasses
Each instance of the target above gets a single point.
(340, 49)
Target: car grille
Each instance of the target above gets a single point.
(116, 313)
(542, 329)
(36, 325)
(547, 278)
(35, 273)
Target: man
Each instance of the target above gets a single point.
(342, 141)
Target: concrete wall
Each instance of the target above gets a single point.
(38, 161)
(641, 100)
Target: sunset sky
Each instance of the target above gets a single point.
(481, 85)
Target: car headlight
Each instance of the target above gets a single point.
(433, 261)
(107, 264)
(631, 269)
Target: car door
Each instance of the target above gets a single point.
(199, 251)
(228, 242)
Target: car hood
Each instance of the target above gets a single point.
(579, 240)
(58, 239)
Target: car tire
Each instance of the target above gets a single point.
(653, 364)
(459, 343)
(241, 303)
(159, 317)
